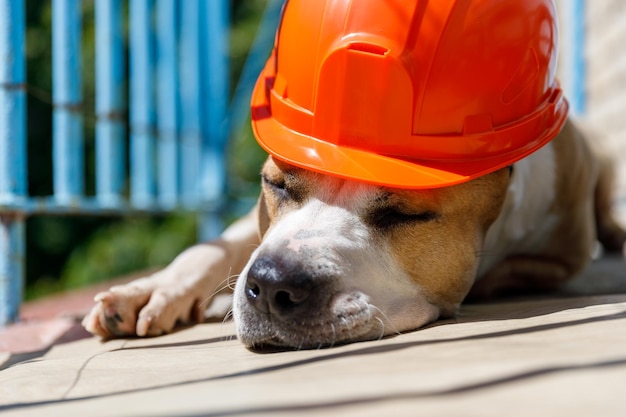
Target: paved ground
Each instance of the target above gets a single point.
(558, 355)
(48, 321)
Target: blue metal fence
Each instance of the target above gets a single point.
(178, 112)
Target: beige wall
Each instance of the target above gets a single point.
(604, 51)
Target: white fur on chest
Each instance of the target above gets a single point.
(525, 221)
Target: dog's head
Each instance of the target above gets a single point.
(343, 261)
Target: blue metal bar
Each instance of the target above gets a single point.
(67, 131)
(216, 74)
(167, 102)
(110, 152)
(12, 101)
(216, 98)
(12, 155)
(190, 102)
(258, 54)
(142, 108)
(576, 63)
(12, 245)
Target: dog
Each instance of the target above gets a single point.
(322, 260)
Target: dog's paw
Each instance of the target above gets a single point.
(116, 311)
(132, 310)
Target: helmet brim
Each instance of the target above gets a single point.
(355, 164)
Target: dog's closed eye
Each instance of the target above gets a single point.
(389, 217)
(275, 184)
(280, 188)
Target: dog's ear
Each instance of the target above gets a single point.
(263, 216)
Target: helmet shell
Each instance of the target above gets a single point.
(410, 94)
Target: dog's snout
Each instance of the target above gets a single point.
(275, 289)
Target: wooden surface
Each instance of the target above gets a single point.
(554, 356)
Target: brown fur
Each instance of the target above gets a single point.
(582, 204)
(439, 255)
(467, 210)
(465, 213)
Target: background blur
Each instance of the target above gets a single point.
(67, 252)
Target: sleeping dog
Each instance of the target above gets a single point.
(322, 260)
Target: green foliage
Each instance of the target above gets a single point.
(245, 155)
(115, 249)
(245, 160)
(124, 247)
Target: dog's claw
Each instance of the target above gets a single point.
(143, 326)
(101, 296)
(114, 313)
(131, 310)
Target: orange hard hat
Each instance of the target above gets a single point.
(410, 94)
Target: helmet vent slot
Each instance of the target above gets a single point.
(368, 48)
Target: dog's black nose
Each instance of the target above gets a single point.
(274, 288)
